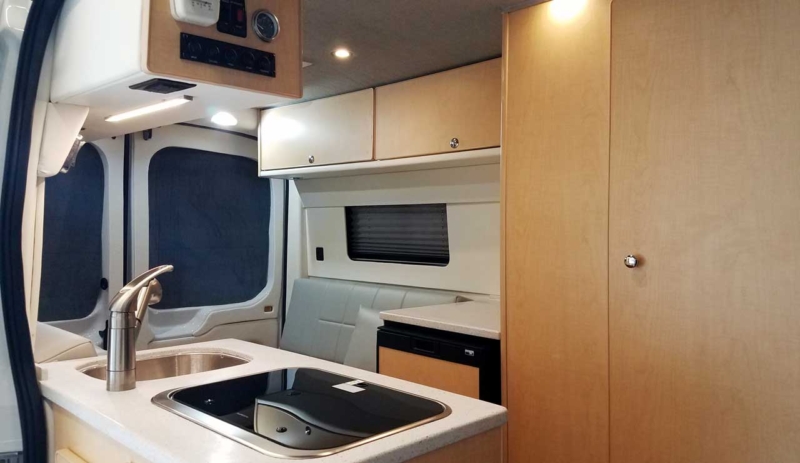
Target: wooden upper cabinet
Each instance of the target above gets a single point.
(421, 116)
(332, 130)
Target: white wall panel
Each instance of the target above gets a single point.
(474, 235)
(472, 195)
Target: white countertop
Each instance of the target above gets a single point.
(475, 318)
(158, 435)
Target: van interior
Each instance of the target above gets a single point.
(380, 231)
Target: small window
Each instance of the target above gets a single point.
(72, 246)
(408, 234)
(210, 218)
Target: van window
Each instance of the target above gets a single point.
(403, 234)
(72, 248)
(209, 217)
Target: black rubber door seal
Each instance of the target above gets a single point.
(41, 17)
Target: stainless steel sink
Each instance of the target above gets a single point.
(168, 366)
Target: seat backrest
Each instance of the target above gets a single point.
(322, 314)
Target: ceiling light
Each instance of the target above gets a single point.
(342, 53)
(149, 109)
(224, 119)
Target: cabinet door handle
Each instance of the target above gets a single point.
(454, 143)
(631, 261)
(311, 159)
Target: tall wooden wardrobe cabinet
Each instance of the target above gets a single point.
(668, 131)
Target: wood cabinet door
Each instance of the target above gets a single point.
(332, 130)
(421, 116)
(705, 191)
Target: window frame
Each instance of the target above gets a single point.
(185, 322)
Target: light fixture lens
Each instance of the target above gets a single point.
(342, 53)
(224, 119)
(566, 10)
(149, 109)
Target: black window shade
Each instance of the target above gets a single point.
(210, 218)
(404, 234)
(72, 246)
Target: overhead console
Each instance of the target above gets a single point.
(139, 64)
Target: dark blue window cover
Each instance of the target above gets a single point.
(72, 246)
(209, 217)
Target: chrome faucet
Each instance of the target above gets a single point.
(128, 308)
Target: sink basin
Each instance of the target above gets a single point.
(301, 412)
(168, 366)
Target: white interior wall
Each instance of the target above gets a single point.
(296, 263)
(10, 433)
(472, 195)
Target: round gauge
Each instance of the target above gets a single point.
(265, 25)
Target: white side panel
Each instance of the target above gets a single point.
(62, 125)
(13, 14)
(474, 234)
(264, 332)
(331, 130)
(33, 187)
(114, 38)
(10, 434)
(295, 241)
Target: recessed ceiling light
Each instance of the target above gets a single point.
(149, 109)
(342, 53)
(224, 119)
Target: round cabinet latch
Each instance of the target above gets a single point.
(266, 25)
(631, 261)
(454, 143)
(311, 159)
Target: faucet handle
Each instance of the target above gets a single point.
(149, 295)
(125, 296)
(148, 275)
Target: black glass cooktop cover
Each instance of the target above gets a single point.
(308, 409)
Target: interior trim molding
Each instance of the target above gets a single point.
(41, 19)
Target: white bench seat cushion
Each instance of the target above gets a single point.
(322, 314)
(362, 352)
